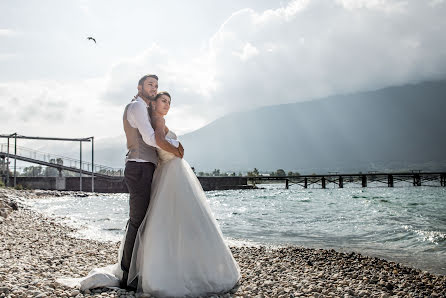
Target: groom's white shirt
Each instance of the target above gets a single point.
(138, 117)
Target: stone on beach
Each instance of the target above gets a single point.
(36, 250)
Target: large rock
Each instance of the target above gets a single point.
(5, 209)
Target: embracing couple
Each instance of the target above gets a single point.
(173, 246)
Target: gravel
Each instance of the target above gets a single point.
(35, 250)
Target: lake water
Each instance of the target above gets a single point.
(404, 224)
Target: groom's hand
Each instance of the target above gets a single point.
(181, 150)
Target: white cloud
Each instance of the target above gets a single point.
(7, 32)
(316, 50)
(436, 2)
(55, 108)
(85, 7)
(248, 52)
(7, 56)
(389, 6)
(303, 50)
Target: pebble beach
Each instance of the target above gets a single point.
(35, 250)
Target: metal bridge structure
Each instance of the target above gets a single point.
(10, 150)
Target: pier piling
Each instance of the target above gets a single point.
(390, 180)
(364, 181)
(416, 180)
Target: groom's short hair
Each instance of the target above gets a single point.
(143, 79)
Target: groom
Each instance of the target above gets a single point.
(141, 161)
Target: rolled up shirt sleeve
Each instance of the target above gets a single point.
(138, 117)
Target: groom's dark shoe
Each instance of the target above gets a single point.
(133, 285)
(123, 283)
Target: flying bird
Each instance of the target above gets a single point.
(91, 38)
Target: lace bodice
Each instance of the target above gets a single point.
(164, 155)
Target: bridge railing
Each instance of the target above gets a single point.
(61, 160)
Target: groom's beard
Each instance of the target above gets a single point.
(146, 95)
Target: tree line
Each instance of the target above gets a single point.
(253, 173)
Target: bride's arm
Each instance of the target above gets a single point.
(160, 137)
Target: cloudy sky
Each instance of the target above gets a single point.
(214, 57)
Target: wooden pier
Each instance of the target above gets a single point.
(415, 178)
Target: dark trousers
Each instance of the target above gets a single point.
(138, 177)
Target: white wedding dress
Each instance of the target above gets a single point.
(179, 249)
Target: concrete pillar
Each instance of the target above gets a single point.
(3, 169)
(60, 183)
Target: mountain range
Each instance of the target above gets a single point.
(391, 129)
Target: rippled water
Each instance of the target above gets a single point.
(406, 224)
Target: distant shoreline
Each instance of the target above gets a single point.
(36, 250)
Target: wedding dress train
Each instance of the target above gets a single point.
(179, 249)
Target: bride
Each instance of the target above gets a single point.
(179, 249)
